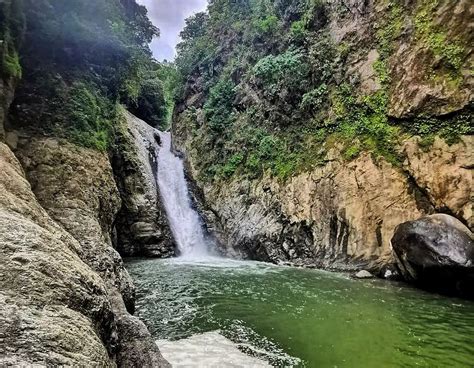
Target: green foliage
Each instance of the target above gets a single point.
(315, 99)
(278, 91)
(288, 67)
(267, 25)
(218, 108)
(11, 66)
(284, 77)
(298, 31)
(151, 105)
(231, 165)
(80, 59)
(195, 26)
(450, 51)
(365, 121)
(450, 128)
(88, 117)
(390, 30)
(11, 33)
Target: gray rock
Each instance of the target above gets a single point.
(142, 226)
(76, 188)
(363, 274)
(54, 308)
(436, 252)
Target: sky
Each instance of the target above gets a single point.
(169, 16)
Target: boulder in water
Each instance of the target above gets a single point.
(436, 252)
(363, 274)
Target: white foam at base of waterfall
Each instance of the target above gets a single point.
(209, 349)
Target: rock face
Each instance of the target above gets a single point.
(340, 215)
(421, 76)
(54, 308)
(142, 227)
(65, 293)
(353, 169)
(436, 252)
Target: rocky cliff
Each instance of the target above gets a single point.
(59, 267)
(142, 227)
(66, 297)
(329, 125)
(342, 213)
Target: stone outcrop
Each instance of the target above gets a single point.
(341, 214)
(66, 293)
(54, 307)
(436, 252)
(444, 173)
(422, 79)
(142, 227)
(354, 168)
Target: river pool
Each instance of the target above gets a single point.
(289, 317)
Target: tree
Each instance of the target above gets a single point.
(195, 26)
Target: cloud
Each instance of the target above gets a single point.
(169, 16)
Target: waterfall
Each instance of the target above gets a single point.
(184, 220)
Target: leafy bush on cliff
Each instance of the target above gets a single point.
(12, 25)
(150, 105)
(80, 58)
(218, 108)
(279, 84)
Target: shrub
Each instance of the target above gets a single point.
(314, 100)
(89, 117)
(267, 25)
(11, 66)
(151, 105)
(218, 108)
(287, 71)
(298, 31)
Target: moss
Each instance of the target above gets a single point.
(390, 30)
(11, 66)
(450, 128)
(450, 51)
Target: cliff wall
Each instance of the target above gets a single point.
(142, 227)
(312, 129)
(66, 295)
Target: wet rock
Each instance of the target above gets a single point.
(142, 226)
(54, 309)
(363, 274)
(136, 347)
(76, 187)
(436, 252)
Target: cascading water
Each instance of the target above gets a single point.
(184, 221)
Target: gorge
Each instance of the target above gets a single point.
(222, 209)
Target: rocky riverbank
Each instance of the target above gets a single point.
(58, 210)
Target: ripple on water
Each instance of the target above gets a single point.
(295, 317)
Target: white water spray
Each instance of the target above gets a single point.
(184, 221)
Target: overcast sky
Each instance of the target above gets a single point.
(169, 16)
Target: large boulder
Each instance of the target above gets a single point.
(436, 252)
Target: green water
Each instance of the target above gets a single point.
(308, 318)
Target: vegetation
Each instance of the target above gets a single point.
(79, 60)
(11, 31)
(277, 91)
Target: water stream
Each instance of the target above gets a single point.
(206, 311)
(184, 221)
